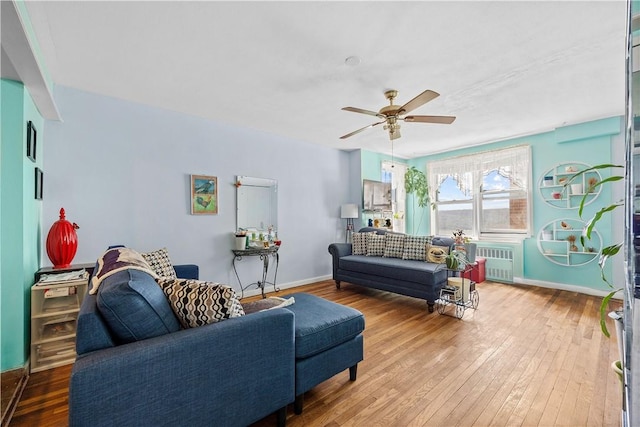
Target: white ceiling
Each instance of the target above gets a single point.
(504, 68)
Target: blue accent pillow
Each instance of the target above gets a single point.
(134, 306)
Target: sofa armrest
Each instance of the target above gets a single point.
(338, 250)
(187, 271)
(233, 372)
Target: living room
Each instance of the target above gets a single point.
(121, 171)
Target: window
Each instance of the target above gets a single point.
(486, 194)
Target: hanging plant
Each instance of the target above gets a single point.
(415, 183)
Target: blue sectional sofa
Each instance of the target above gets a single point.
(414, 278)
(147, 371)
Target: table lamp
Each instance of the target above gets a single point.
(349, 212)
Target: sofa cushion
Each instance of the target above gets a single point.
(134, 307)
(117, 259)
(394, 245)
(321, 324)
(160, 263)
(393, 268)
(198, 303)
(375, 244)
(437, 254)
(415, 247)
(359, 243)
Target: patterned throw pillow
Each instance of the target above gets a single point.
(415, 247)
(115, 260)
(160, 263)
(359, 243)
(437, 254)
(197, 303)
(375, 244)
(394, 245)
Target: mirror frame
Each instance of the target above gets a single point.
(248, 181)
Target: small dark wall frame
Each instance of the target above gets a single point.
(31, 141)
(39, 182)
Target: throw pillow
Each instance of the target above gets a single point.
(415, 247)
(160, 263)
(133, 307)
(375, 244)
(266, 304)
(115, 260)
(394, 245)
(437, 254)
(198, 303)
(359, 243)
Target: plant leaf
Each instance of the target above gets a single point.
(604, 306)
(598, 215)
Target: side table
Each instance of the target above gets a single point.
(265, 254)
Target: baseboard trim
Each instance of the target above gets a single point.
(15, 390)
(565, 287)
(289, 285)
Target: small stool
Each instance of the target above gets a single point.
(328, 339)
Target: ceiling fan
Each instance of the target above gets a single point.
(392, 114)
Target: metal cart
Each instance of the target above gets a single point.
(458, 298)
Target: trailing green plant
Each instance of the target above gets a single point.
(608, 251)
(456, 260)
(415, 183)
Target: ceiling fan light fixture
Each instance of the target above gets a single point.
(392, 114)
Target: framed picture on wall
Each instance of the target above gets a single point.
(38, 186)
(204, 195)
(31, 141)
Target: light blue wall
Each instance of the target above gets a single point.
(19, 222)
(592, 143)
(121, 171)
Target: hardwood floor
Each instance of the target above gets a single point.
(527, 356)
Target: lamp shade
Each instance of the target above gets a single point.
(350, 210)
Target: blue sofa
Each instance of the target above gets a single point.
(153, 373)
(413, 278)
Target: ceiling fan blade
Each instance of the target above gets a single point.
(445, 120)
(360, 110)
(418, 101)
(360, 130)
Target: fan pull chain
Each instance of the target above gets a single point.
(392, 162)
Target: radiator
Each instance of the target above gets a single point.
(499, 265)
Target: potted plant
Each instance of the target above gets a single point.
(608, 251)
(415, 183)
(456, 260)
(463, 243)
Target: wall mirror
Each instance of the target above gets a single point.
(256, 203)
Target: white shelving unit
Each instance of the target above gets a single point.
(54, 312)
(553, 243)
(552, 182)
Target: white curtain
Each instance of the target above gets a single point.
(512, 162)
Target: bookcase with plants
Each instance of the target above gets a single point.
(559, 241)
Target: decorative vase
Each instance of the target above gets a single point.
(62, 242)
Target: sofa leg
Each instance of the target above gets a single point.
(430, 306)
(353, 372)
(337, 284)
(297, 405)
(281, 416)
